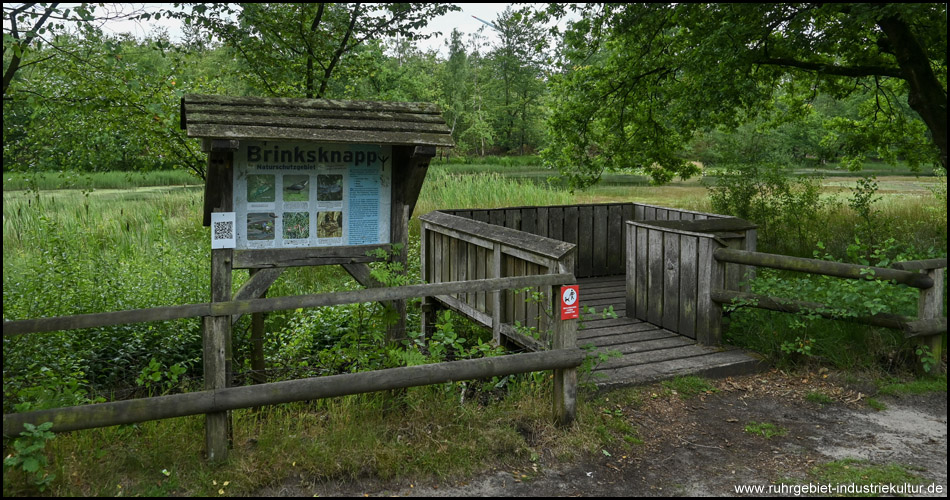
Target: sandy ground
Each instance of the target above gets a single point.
(698, 446)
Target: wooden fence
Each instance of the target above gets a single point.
(925, 275)
(597, 230)
(455, 248)
(563, 360)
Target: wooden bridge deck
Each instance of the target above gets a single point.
(648, 352)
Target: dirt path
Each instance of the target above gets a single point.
(698, 446)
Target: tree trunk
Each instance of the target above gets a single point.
(926, 95)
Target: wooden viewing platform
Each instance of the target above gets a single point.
(647, 352)
(663, 327)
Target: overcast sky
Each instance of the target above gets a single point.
(461, 20)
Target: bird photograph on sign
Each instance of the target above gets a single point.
(296, 188)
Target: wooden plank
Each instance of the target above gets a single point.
(643, 279)
(671, 281)
(633, 331)
(585, 243)
(599, 243)
(437, 257)
(319, 135)
(543, 223)
(481, 216)
(649, 213)
(453, 261)
(713, 364)
(655, 277)
(335, 123)
(731, 224)
(638, 212)
(481, 272)
(556, 223)
(377, 115)
(688, 285)
(529, 220)
(497, 271)
(291, 257)
(630, 255)
(616, 243)
(497, 217)
(513, 219)
(472, 271)
(302, 103)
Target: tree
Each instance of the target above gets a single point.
(638, 80)
(519, 82)
(295, 49)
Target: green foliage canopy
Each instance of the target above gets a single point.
(639, 80)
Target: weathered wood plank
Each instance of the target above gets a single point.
(643, 280)
(688, 285)
(543, 222)
(556, 223)
(302, 103)
(529, 220)
(671, 281)
(615, 240)
(585, 243)
(319, 135)
(336, 123)
(599, 241)
(655, 275)
(303, 112)
(291, 257)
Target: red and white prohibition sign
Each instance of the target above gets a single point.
(570, 302)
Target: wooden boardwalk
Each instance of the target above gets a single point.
(648, 352)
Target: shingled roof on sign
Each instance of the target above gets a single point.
(319, 120)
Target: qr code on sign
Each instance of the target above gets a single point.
(224, 230)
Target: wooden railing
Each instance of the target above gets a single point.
(456, 248)
(597, 230)
(669, 279)
(563, 360)
(925, 275)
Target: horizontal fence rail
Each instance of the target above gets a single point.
(21, 327)
(232, 398)
(823, 267)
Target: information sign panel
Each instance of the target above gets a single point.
(300, 194)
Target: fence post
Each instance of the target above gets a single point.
(217, 351)
(565, 379)
(565, 337)
(930, 306)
